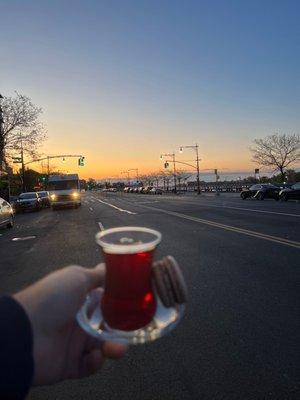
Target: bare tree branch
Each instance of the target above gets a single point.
(277, 151)
(21, 118)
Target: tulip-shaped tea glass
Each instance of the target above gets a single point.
(129, 309)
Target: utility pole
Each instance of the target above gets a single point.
(174, 166)
(198, 170)
(1, 135)
(196, 148)
(137, 173)
(22, 165)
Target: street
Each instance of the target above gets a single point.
(240, 259)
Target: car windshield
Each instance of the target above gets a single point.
(63, 185)
(26, 196)
(269, 186)
(296, 186)
(43, 194)
(255, 187)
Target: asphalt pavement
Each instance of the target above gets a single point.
(239, 338)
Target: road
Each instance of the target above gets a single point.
(239, 337)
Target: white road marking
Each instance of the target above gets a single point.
(117, 208)
(91, 209)
(101, 226)
(250, 209)
(243, 231)
(19, 239)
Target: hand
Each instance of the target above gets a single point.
(62, 350)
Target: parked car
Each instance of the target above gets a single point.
(29, 201)
(261, 192)
(6, 214)
(45, 199)
(13, 201)
(290, 193)
(140, 189)
(147, 189)
(156, 191)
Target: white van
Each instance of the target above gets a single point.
(64, 190)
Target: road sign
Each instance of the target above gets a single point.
(256, 171)
(17, 162)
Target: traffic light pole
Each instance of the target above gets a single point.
(196, 148)
(50, 157)
(174, 167)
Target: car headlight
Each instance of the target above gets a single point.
(53, 196)
(75, 195)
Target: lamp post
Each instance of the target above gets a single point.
(196, 148)
(174, 166)
(128, 177)
(136, 171)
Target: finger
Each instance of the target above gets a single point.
(114, 350)
(92, 362)
(95, 277)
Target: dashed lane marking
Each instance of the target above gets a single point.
(117, 208)
(101, 226)
(20, 239)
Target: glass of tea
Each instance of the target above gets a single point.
(128, 302)
(128, 309)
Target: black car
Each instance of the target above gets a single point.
(29, 201)
(45, 198)
(290, 193)
(261, 192)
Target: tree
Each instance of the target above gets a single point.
(277, 151)
(22, 127)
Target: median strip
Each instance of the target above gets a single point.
(243, 231)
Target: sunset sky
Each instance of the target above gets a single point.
(123, 81)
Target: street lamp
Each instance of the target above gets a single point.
(195, 147)
(137, 172)
(128, 177)
(174, 167)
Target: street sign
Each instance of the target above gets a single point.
(256, 171)
(17, 162)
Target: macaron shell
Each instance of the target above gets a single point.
(177, 279)
(169, 292)
(159, 283)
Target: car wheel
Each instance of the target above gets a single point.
(260, 196)
(284, 197)
(243, 196)
(11, 222)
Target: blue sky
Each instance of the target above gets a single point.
(123, 81)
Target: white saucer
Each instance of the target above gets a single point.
(90, 319)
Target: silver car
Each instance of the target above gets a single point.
(6, 214)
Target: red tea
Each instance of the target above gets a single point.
(128, 302)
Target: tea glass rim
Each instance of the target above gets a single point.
(112, 248)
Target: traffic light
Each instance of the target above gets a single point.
(43, 178)
(81, 162)
(166, 164)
